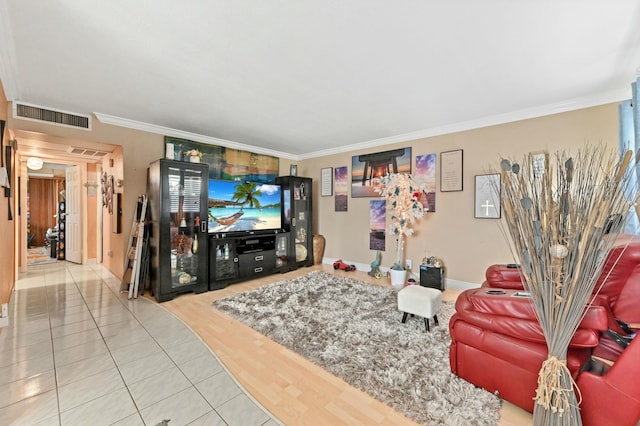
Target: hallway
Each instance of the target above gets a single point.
(78, 352)
(40, 256)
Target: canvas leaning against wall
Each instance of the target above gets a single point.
(225, 163)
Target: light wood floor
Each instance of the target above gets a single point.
(293, 389)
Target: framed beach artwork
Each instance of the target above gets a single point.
(368, 169)
(377, 224)
(426, 172)
(341, 189)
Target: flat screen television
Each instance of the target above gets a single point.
(244, 207)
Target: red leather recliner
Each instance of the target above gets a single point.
(497, 342)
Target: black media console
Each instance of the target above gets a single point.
(241, 258)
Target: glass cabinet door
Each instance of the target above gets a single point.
(301, 222)
(226, 262)
(282, 250)
(185, 225)
(297, 220)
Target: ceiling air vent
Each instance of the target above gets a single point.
(49, 115)
(86, 152)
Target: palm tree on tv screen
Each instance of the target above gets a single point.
(247, 194)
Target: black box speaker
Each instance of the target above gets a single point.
(431, 277)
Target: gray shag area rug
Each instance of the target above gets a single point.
(353, 329)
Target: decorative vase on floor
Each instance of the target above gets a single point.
(318, 248)
(398, 278)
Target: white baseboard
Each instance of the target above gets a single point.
(459, 285)
(448, 283)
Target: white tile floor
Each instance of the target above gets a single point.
(77, 352)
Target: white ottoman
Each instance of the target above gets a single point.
(422, 301)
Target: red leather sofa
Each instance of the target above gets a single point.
(497, 342)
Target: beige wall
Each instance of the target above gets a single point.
(7, 227)
(465, 244)
(113, 259)
(138, 149)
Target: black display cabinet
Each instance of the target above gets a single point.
(178, 194)
(296, 218)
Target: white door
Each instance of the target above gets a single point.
(73, 242)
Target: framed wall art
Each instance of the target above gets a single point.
(377, 224)
(326, 182)
(225, 163)
(341, 188)
(487, 197)
(426, 173)
(367, 169)
(539, 163)
(451, 171)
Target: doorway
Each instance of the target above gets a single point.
(45, 190)
(59, 155)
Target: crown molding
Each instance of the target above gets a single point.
(8, 65)
(523, 114)
(167, 131)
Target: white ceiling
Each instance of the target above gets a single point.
(306, 78)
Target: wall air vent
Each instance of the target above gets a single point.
(50, 115)
(86, 152)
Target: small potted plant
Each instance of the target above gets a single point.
(402, 194)
(194, 155)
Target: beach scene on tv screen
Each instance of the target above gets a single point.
(243, 206)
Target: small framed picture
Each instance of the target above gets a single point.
(326, 182)
(293, 170)
(487, 197)
(451, 171)
(539, 163)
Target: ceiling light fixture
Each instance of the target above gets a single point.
(34, 163)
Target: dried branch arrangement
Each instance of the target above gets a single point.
(557, 218)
